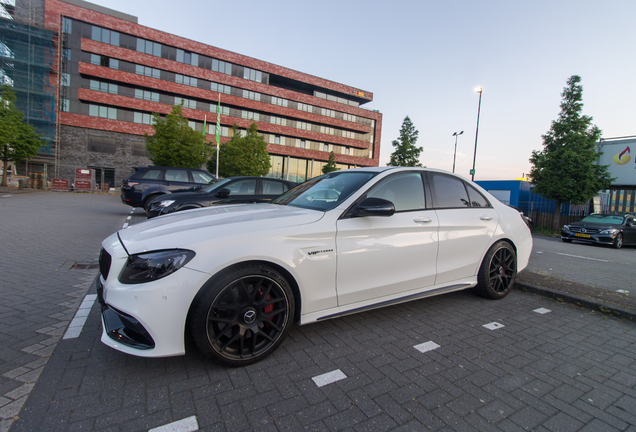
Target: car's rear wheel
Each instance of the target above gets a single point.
(242, 316)
(498, 271)
(618, 241)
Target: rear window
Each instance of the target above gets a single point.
(151, 174)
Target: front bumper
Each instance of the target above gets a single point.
(147, 319)
(606, 239)
(122, 328)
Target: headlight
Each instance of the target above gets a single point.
(566, 227)
(150, 266)
(611, 231)
(165, 203)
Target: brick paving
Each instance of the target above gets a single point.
(568, 369)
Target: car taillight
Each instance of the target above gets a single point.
(129, 184)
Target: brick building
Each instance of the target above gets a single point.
(108, 74)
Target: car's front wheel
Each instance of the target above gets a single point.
(242, 316)
(618, 241)
(498, 271)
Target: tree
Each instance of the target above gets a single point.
(406, 153)
(330, 165)
(566, 170)
(176, 144)
(242, 155)
(18, 140)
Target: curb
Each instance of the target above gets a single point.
(586, 302)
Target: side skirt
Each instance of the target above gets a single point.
(418, 296)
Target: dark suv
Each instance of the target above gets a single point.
(147, 183)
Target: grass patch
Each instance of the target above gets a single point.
(545, 230)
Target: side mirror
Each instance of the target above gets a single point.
(223, 193)
(376, 207)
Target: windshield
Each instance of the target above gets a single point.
(604, 219)
(325, 192)
(213, 186)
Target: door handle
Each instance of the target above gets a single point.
(485, 218)
(422, 219)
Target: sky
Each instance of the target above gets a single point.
(423, 59)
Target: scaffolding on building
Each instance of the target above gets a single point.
(27, 58)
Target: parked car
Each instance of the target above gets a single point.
(236, 277)
(617, 230)
(147, 183)
(232, 190)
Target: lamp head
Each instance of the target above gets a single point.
(478, 89)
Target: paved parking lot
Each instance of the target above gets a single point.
(425, 365)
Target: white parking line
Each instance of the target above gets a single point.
(124, 225)
(542, 311)
(576, 256)
(77, 324)
(329, 378)
(622, 291)
(129, 218)
(493, 326)
(426, 346)
(186, 425)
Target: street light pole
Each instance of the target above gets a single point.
(472, 172)
(455, 154)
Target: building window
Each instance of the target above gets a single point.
(67, 25)
(66, 54)
(147, 71)
(251, 95)
(104, 35)
(220, 88)
(149, 47)
(66, 79)
(143, 118)
(102, 111)
(279, 101)
(325, 147)
(182, 79)
(277, 139)
(65, 105)
(252, 75)
(221, 66)
(114, 64)
(302, 144)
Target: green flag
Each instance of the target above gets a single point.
(204, 121)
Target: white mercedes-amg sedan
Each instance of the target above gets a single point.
(237, 276)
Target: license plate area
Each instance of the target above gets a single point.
(582, 235)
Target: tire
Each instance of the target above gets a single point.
(618, 241)
(566, 240)
(146, 205)
(242, 316)
(498, 271)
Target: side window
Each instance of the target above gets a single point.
(271, 187)
(177, 176)
(201, 177)
(476, 199)
(448, 192)
(152, 174)
(405, 191)
(242, 187)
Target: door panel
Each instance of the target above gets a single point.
(380, 256)
(464, 235)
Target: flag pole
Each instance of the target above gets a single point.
(218, 135)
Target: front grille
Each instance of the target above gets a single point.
(104, 263)
(585, 230)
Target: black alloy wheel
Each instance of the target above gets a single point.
(244, 316)
(618, 241)
(498, 271)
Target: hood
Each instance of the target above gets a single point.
(193, 226)
(594, 224)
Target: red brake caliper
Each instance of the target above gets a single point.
(270, 307)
